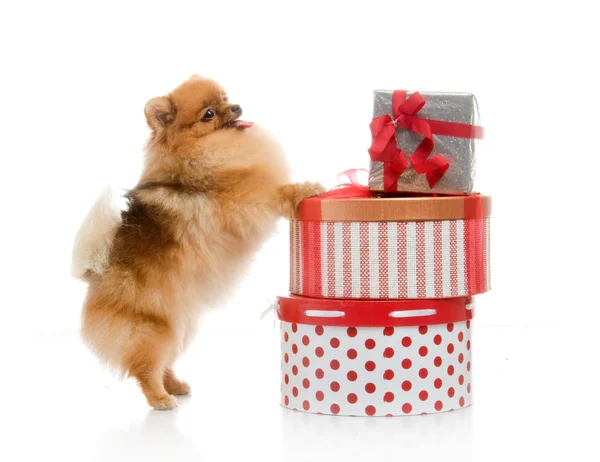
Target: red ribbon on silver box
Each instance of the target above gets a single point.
(384, 148)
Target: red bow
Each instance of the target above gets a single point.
(384, 147)
(348, 190)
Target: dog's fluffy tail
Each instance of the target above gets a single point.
(94, 239)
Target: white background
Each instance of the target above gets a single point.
(75, 77)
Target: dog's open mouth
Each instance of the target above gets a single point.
(239, 124)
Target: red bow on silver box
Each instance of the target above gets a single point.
(384, 148)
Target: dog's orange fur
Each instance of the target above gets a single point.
(208, 197)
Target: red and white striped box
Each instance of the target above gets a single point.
(375, 358)
(391, 248)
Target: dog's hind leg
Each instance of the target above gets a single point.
(173, 385)
(148, 362)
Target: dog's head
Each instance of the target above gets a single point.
(196, 108)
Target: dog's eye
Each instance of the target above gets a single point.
(209, 115)
(225, 99)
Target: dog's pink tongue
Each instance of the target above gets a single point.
(241, 124)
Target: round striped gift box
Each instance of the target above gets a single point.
(391, 248)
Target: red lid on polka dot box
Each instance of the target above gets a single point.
(391, 248)
(375, 358)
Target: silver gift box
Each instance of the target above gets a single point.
(460, 152)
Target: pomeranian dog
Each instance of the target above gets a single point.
(210, 194)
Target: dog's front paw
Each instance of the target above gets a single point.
(310, 189)
(290, 196)
(163, 402)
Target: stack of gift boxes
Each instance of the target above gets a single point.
(382, 279)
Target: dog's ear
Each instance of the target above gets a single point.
(160, 112)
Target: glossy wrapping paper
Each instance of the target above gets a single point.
(460, 152)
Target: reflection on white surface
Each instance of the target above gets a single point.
(535, 390)
(157, 437)
(308, 437)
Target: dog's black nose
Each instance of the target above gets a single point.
(236, 109)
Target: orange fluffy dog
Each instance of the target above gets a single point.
(210, 194)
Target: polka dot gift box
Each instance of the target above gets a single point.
(424, 247)
(375, 358)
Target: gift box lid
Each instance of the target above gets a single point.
(420, 208)
(372, 313)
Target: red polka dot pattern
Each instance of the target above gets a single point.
(376, 371)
